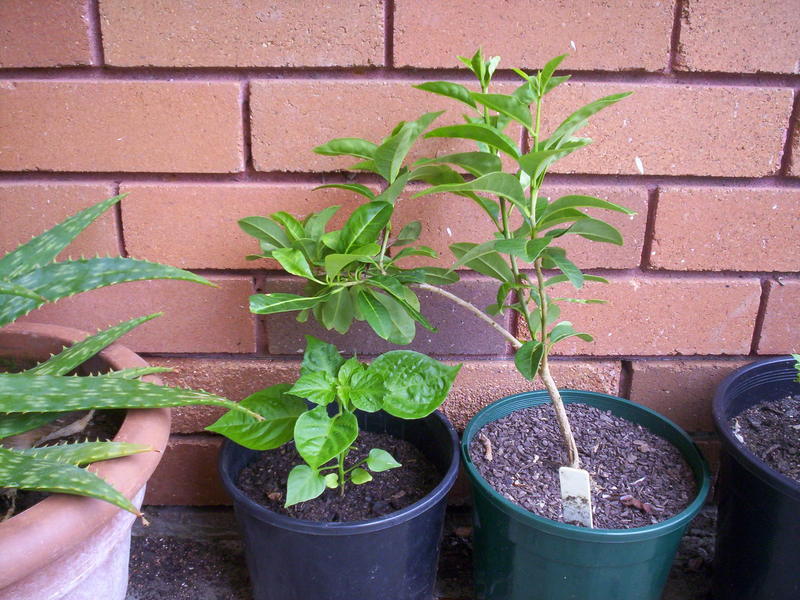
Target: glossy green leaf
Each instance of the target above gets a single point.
(527, 250)
(364, 225)
(321, 356)
(353, 187)
(337, 311)
(559, 258)
(84, 453)
(389, 156)
(504, 185)
(332, 481)
(266, 230)
(400, 293)
(487, 262)
(416, 384)
(416, 251)
(528, 358)
(278, 302)
(318, 387)
(347, 147)
(431, 275)
(293, 262)
(562, 278)
(409, 233)
(479, 133)
(391, 193)
(578, 201)
(565, 330)
(303, 484)
(294, 228)
(535, 163)
(579, 118)
(16, 423)
(509, 106)
(11, 289)
(387, 317)
(475, 163)
(380, 460)
(359, 476)
(366, 391)
(315, 223)
(597, 231)
(319, 438)
(451, 90)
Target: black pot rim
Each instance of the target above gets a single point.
(565, 530)
(351, 527)
(741, 453)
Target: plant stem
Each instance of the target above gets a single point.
(474, 310)
(341, 472)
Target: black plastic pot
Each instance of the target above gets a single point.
(522, 556)
(392, 557)
(758, 524)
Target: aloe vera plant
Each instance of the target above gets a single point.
(353, 273)
(30, 276)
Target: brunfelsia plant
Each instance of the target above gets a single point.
(405, 384)
(37, 397)
(353, 273)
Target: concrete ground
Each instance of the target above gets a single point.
(195, 554)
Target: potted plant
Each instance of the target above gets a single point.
(518, 554)
(757, 417)
(75, 541)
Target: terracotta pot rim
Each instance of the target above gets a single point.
(37, 536)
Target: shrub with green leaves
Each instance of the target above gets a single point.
(353, 273)
(30, 276)
(318, 413)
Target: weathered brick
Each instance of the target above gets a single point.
(596, 35)
(663, 316)
(187, 474)
(232, 379)
(677, 130)
(162, 126)
(162, 222)
(289, 118)
(756, 37)
(448, 219)
(681, 390)
(249, 33)
(460, 332)
(481, 382)
(794, 153)
(717, 229)
(43, 34)
(780, 332)
(28, 209)
(197, 318)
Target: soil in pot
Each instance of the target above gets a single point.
(771, 431)
(264, 481)
(638, 478)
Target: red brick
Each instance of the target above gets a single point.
(677, 130)
(232, 379)
(780, 333)
(187, 475)
(43, 34)
(28, 209)
(479, 383)
(197, 318)
(794, 153)
(612, 36)
(162, 222)
(459, 332)
(718, 229)
(663, 316)
(681, 390)
(289, 118)
(449, 219)
(175, 126)
(248, 33)
(755, 37)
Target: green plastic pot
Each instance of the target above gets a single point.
(521, 556)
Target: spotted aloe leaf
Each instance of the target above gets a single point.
(84, 453)
(11, 289)
(26, 472)
(63, 279)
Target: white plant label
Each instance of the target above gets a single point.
(576, 498)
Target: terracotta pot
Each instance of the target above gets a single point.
(52, 549)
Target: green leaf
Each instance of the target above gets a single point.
(409, 233)
(44, 248)
(389, 156)
(486, 261)
(137, 372)
(578, 201)
(504, 185)
(28, 473)
(353, 187)
(315, 223)
(416, 384)
(321, 356)
(337, 311)
(558, 256)
(319, 438)
(266, 230)
(303, 483)
(360, 476)
(562, 278)
(597, 231)
(332, 481)
(294, 228)
(479, 133)
(366, 391)
(63, 279)
(334, 263)
(84, 453)
(400, 293)
(396, 188)
(278, 302)
(451, 90)
(11, 289)
(364, 225)
(475, 163)
(579, 118)
(435, 275)
(317, 386)
(380, 460)
(418, 251)
(509, 106)
(565, 330)
(294, 262)
(535, 163)
(528, 358)
(15, 423)
(387, 317)
(347, 147)
(527, 250)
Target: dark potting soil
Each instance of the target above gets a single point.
(637, 477)
(771, 431)
(264, 481)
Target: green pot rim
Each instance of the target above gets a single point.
(681, 441)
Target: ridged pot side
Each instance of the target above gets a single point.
(48, 531)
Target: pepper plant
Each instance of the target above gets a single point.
(353, 273)
(30, 276)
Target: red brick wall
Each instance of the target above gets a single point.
(205, 112)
